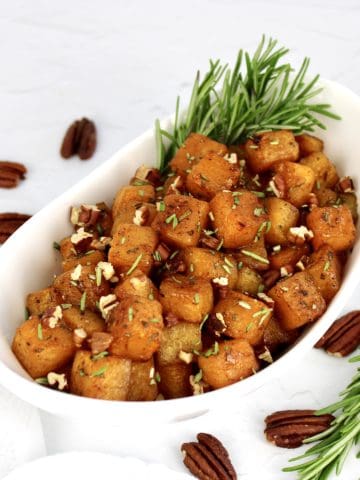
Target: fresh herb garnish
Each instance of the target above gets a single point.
(99, 373)
(83, 302)
(135, 264)
(40, 332)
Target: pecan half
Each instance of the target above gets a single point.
(11, 173)
(79, 139)
(208, 459)
(343, 337)
(9, 223)
(289, 428)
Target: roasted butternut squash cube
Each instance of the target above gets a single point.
(297, 301)
(88, 320)
(238, 217)
(175, 380)
(282, 216)
(350, 200)
(136, 324)
(188, 298)
(254, 255)
(131, 195)
(288, 256)
(70, 258)
(264, 150)
(244, 317)
(332, 226)
(132, 247)
(325, 171)
(107, 378)
(81, 290)
(299, 181)
(212, 174)
(309, 144)
(181, 220)
(143, 384)
(182, 337)
(136, 284)
(41, 349)
(276, 337)
(325, 269)
(195, 147)
(325, 196)
(38, 302)
(210, 264)
(234, 361)
(140, 214)
(248, 281)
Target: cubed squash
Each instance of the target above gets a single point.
(38, 302)
(332, 226)
(175, 380)
(238, 217)
(244, 317)
(143, 384)
(137, 284)
(182, 337)
(325, 269)
(325, 171)
(234, 361)
(297, 301)
(248, 281)
(136, 324)
(263, 151)
(88, 320)
(140, 214)
(180, 220)
(288, 256)
(132, 247)
(130, 196)
(107, 378)
(298, 180)
(254, 255)
(188, 298)
(282, 216)
(309, 144)
(41, 349)
(195, 147)
(325, 196)
(212, 174)
(210, 264)
(70, 258)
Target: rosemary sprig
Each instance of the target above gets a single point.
(335, 443)
(260, 93)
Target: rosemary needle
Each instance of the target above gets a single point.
(260, 93)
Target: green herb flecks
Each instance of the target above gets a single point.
(99, 373)
(83, 302)
(135, 264)
(40, 332)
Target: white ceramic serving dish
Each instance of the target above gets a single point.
(28, 262)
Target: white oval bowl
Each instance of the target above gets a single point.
(28, 262)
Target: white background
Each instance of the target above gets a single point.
(122, 63)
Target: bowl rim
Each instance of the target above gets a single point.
(73, 405)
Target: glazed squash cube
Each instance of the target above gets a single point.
(297, 301)
(41, 349)
(175, 380)
(180, 220)
(309, 144)
(238, 216)
(212, 174)
(143, 384)
(325, 171)
(106, 377)
(71, 258)
(288, 256)
(325, 196)
(248, 281)
(131, 195)
(132, 247)
(88, 320)
(234, 361)
(332, 226)
(136, 324)
(244, 317)
(188, 298)
(282, 216)
(38, 302)
(325, 269)
(182, 337)
(136, 284)
(78, 287)
(298, 179)
(195, 147)
(210, 264)
(264, 150)
(141, 214)
(255, 254)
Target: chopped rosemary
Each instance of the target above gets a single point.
(99, 373)
(27, 313)
(214, 350)
(83, 302)
(135, 264)
(40, 332)
(326, 266)
(196, 299)
(130, 314)
(255, 256)
(99, 356)
(172, 219)
(42, 380)
(198, 376)
(98, 276)
(203, 321)
(184, 215)
(66, 306)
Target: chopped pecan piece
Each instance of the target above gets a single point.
(11, 173)
(289, 428)
(171, 319)
(343, 337)
(270, 278)
(208, 459)
(209, 242)
(345, 185)
(79, 139)
(175, 265)
(100, 342)
(9, 223)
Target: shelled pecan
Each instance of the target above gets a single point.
(79, 139)
(289, 428)
(343, 337)
(208, 459)
(11, 173)
(9, 223)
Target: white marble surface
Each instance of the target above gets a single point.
(123, 63)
